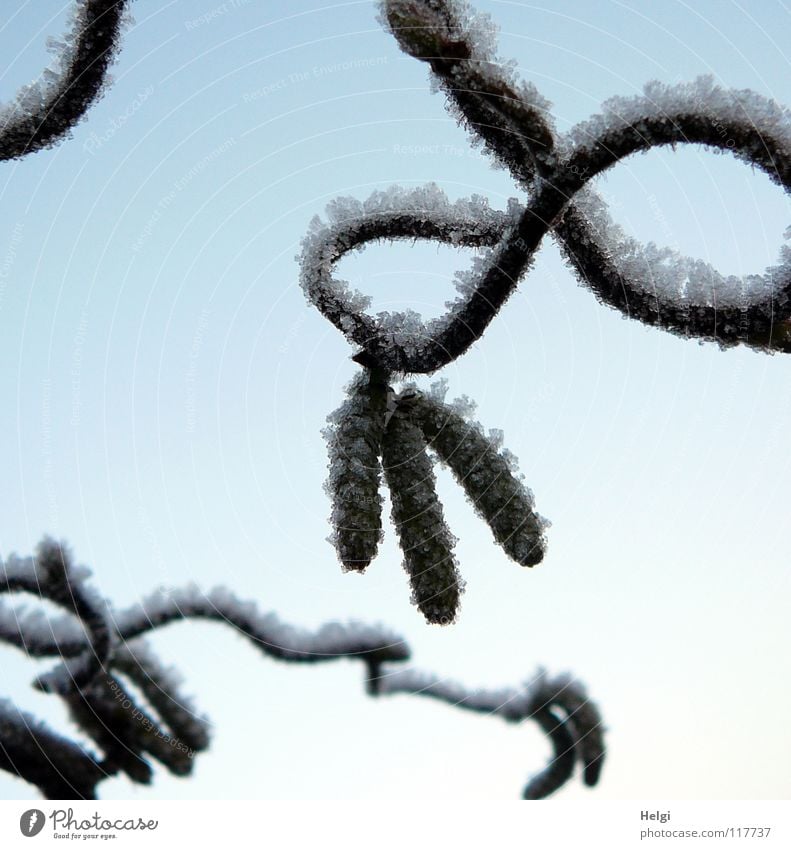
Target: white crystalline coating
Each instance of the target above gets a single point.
(671, 276)
(465, 407)
(540, 691)
(461, 222)
(702, 96)
(506, 701)
(34, 623)
(665, 273)
(168, 678)
(61, 679)
(15, 569)
(476, 29)
(51, 576)
(320, 250)
(31, 100)
(496, 438)
(584, 719)
(482, 90)
(265, 630)
(451, 19)
(438, 390)
(34, 572)
(405, 329)
(515, 704)
(466, 280)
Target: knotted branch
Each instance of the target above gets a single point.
(660, 288)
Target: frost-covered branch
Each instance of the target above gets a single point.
(44, 112)
(59, 768)
(265, 631)
(510, 117)
(656, 286)
(398, 342)
(100, 694)
(560, 706)
(121, 725)
(51, 576)
(133, 711)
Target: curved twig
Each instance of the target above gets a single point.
(267, 633)
(59, 768)
(511, 118)
(394, 342)
(46, 111)
(577, 737)
(51, 576)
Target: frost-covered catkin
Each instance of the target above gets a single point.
(426, 541)
(487, 476)
(354, 436)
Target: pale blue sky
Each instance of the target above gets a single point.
(165, 385)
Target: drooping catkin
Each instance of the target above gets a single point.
(354, 436)
(425, 539)
(488, 476)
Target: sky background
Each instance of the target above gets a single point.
(165, 383)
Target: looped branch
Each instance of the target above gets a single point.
(395, 342)
(658, 287)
